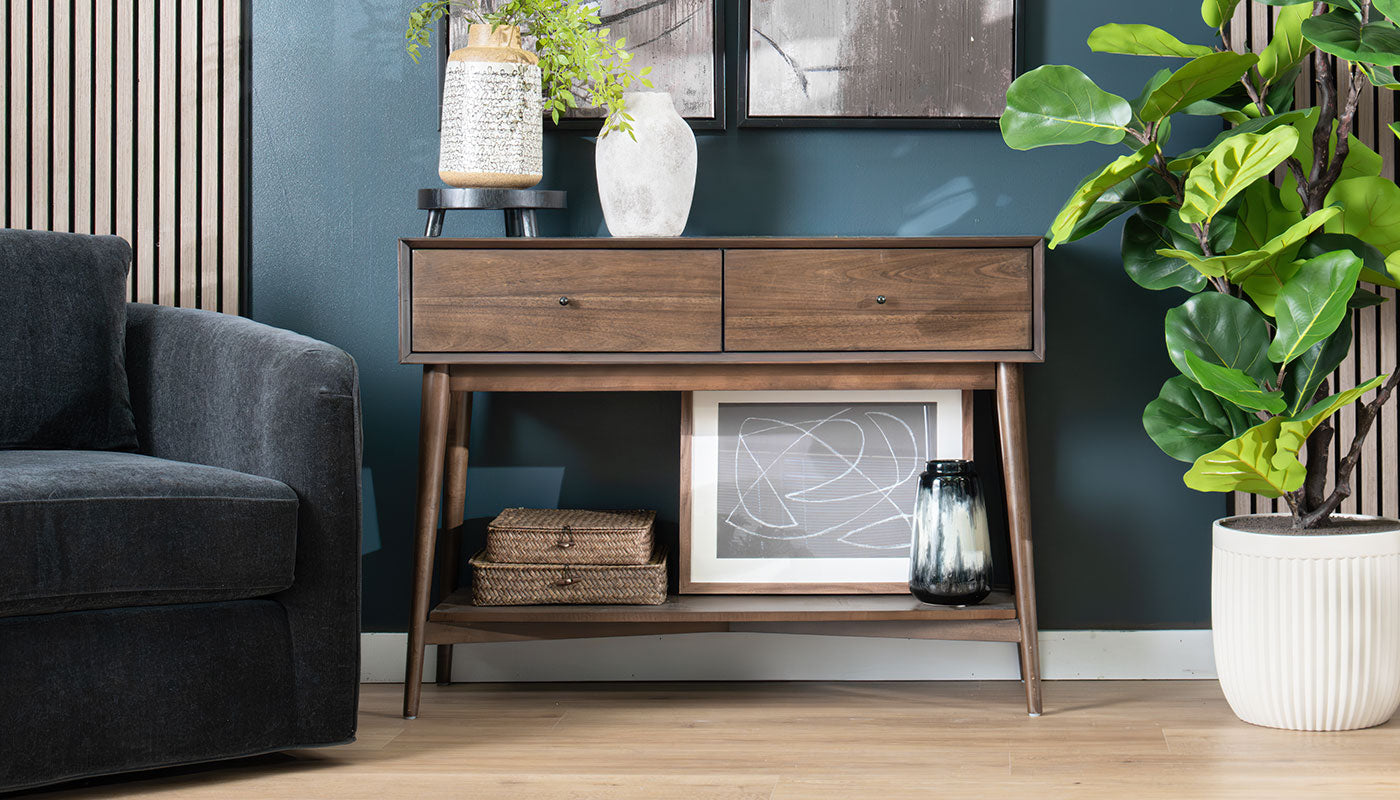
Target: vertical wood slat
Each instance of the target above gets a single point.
(39, 167)
(18, 207)
(83, 80)
(103, 105)
(60, 122)
(145, 174)
(231, 136)
(124, 147)
(5, 120)
(125, 117)
(167, 170)
(185, 207)
(210, 222)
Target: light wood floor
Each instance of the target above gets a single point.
(780, 741)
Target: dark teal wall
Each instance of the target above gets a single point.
(344, 131)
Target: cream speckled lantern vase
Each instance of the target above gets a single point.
(492, 113)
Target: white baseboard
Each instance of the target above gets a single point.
(1065, 655)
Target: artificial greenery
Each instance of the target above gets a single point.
(1274, 271)
(575, 53)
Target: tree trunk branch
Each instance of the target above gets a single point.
(1364, 419)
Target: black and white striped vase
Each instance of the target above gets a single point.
(951, 558)
(492, 113)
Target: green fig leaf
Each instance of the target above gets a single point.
(1371, 211)
(1339, 32)
(1093, 188)
(1373, 266)
(1187, 421)
(1265, 284)
(1310, 369)
(1219, 329)
(1313, 303)
(1139, 189)
(1216, 12)
(1233, 386)
(1142, 259)
(1251, 462)
(1199, 79)
(1142, 40)
(1231, 167)
(1060, 105)
(1288, 48)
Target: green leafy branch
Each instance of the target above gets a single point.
(581, 64)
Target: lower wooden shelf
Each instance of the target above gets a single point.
(458, 608)
(456, 620)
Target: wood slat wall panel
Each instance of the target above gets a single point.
(126, 117)
(1376, 483)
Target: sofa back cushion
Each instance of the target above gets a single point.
(63, 327)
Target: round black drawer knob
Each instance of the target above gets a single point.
(563, 301)
(880, 299)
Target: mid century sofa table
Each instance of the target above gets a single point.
(703, 314)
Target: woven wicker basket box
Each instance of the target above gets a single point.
(567, 536)
(495, 584)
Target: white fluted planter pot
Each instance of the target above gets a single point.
(1307, 627)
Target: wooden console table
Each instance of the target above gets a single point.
(557, 315)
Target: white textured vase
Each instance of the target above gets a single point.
(646, 185)
(492, 113)
(1307, 627)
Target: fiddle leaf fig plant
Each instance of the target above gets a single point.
(1274, 269)
(577, 56)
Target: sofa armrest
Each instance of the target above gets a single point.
(229, 392)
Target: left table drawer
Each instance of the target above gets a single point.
(522, 301)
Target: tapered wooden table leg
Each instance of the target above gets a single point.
(459, 420)
(432, 444)
(1011, 419)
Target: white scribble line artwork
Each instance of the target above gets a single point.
(783, 517)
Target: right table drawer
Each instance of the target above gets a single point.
(895, 299)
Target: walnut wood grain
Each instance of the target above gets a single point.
(458, 609)
(454, 502)
(565, 301)
(723, 242)
(432, 450)
(933, 299)
(719, 377)
(975, 630)
(1015, 464)
(979, 630)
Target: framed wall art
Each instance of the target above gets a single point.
(808, 492)
(681, 40)
(876, 63)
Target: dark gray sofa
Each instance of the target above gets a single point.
(192, 595)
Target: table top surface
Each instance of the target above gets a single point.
(490, 199)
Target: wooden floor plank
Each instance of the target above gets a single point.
(785, 741)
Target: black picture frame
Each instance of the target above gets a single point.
(718, 122)
(944, 123)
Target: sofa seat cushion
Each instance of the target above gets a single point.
(84, 529)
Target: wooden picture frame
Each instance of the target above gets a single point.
(686, 559)
(749, 118)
